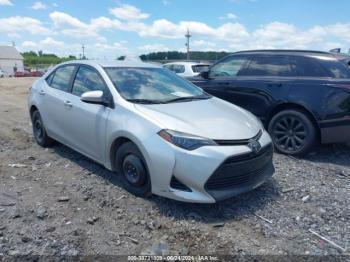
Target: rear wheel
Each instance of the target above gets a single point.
(292, 132)
(39, 131)
(133, 170)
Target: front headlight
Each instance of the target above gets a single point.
(185, 141)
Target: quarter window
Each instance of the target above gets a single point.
(228, 68)
(87, 79)
(62, 77)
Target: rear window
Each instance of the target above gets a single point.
(200, 68)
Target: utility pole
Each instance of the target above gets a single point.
(83, 48)
(188, 36)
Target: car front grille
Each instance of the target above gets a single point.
(241, 170)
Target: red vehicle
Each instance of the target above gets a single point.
(37, 73)
(23, 73)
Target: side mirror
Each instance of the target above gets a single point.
(204, 74)
(93, 97)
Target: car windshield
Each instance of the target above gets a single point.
(153, 85)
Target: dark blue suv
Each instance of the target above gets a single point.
(303, 97)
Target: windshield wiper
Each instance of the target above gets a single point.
(188, 98)
(145, 101)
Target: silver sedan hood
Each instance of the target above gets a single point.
(212, 118)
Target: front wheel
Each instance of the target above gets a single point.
(133, 170)
(292, 132)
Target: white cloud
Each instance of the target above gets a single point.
(16, 24)
(5, 2)
(38, 5)
(153, 48)
(72, 26)
(228, 16)
(128, 12)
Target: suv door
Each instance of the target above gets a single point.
(263, 83)
(54, 107)
(87, 122)
(222, 78)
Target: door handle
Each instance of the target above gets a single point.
(42, 92)
(68, 103)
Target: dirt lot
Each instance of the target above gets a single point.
(57, 202)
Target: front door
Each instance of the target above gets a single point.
(87, 122)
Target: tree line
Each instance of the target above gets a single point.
(33, 59)
(174, 55)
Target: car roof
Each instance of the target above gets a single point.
(113, 63)
(286, 51)
(186, 63)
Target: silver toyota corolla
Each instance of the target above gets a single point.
(160, 133)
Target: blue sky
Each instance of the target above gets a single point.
(110, 28)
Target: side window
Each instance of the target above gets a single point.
(268, 66)
(178, 69)
(170, 67)
(87, 79)
(62, 77)
(306, 67)
(335, 68)
(229, 68)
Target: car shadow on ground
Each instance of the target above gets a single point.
(235, 208)
(337, 154)
(88, 165)
(231, 209)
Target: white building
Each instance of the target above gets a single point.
(10, 60)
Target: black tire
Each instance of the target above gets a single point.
(292, 132)
(39, 131)
(132, 167)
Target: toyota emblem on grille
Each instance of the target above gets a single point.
(254, 146)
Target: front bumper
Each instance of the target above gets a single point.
(194, 170)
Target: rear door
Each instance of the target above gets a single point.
(86, 123)
(54, 106)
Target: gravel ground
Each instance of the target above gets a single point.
(57, 202)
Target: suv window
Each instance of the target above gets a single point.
(306, 67)
(62, 77)
(268, 66)
(335, 68)
(228, 68)
(87, 79)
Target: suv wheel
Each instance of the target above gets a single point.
(39, 131)
(292, 132)
(133, 169)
